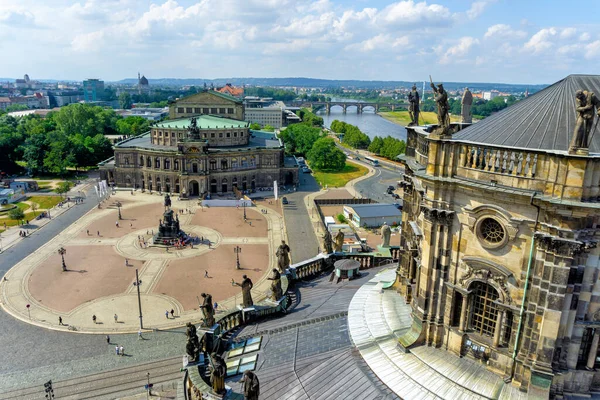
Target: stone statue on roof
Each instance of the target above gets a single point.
(193, 129)
(338, 241)
(413, 106)
(466, 102)
(386, 233)
(586, 104)
(443, 108)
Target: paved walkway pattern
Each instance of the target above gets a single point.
(153, 264)
(377, 318)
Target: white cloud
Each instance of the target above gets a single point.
(584, 37)
(502, 31)
(458, 52)
(381, 41)
(477, 8)
(409, 13)
(541, 41)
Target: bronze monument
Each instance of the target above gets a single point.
(218, 371)
(207, 310)
(283, 256)
(328, 242)
(339, 241)
(192, 348)
(277, 292)
(413, 106)
(251, 386)
(585, 104)
(246, 286)
(466, 102)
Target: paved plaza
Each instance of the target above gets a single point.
(102, 257)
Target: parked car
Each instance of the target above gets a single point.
(306, 170)
(284, 200)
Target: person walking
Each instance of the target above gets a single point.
(172, 313)
(117, 350)
(205, 273)
(116, 318)
(126, 262)
(167, 314)
(94, 318)
(60, 320)
(98, 233)
(122, 350)
(107, 339)
(88, 232)
(140, 335)
(117, 224)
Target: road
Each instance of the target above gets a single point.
(375, 187)
(300, 232)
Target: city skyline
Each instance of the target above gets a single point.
(477, 41)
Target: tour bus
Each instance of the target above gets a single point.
(374, 162)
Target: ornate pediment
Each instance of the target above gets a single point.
(480, 269)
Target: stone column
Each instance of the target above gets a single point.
(498, 330)
(593, 350)
(463, 313)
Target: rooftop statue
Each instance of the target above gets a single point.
(194, 131)
(251, 386)
(207, 310)
(443, 108)
(246, 286)
(277, 291)
(386, 232)
(339, 241)
(218, 371)
(466, 102)
(328, 242)
(585, 104)
(413, 106)
(283, 256)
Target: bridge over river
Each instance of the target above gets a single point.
(360, 106)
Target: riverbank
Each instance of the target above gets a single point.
(403, 117)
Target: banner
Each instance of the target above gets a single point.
(275, 190)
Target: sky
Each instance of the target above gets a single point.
(508, 41)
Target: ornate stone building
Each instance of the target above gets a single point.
(500, 226)
(200, 155)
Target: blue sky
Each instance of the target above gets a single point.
(512, 41)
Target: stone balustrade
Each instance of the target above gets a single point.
(501, 161)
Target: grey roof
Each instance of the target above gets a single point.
(375, 210)
(543, 121)
(143, 141)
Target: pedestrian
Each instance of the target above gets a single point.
(250, 223)
(116, 318)
(98, 233)
(107, 339)
(172, 313)
(140, 335)
(88, 232)
(131, 224)
(215, 306)
(167, 314)
(60, 321)
(117, 224)
(126, 262)
(122, 350)
(205, 273)
(94, 318)
(117, 350)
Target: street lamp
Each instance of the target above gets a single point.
(244, 205)
(237, 250)
(62, 252)
(137, 284)
(119, 208)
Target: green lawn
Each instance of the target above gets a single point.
(403, 118)
(340, 178)
(45, 202)
(11, 222)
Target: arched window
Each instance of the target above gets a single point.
(176, 164)
(213, 165)
(149, 162)
(157, 163)
(483, 311)
(234, 162)
(167, 163)
(224, 163)
(244, 162)
(141, 161)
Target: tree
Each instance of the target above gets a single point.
(63, 187)
(299, 138)
(59, 156)
(16, 214)
(268, 128)
(341, 218)
(254, 126)
(125, 100)
(324, 155)
(376, 145)
(132, 126)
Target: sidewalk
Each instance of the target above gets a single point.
(11, 236)
(15, 295)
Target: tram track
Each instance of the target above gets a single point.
(105, 385)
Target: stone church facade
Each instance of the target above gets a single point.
(499, 243)
(201, 154)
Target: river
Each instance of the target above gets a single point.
(368, 122)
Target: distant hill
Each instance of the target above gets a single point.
(325, 83)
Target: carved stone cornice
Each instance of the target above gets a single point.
(563, 246)
(437, 215)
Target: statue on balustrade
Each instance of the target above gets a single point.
(283, 256)
(251, 386)
(192, 348)
(585, 104)
(466, 103)
(246, 286)
(218, 371)
(207, 310)
(167, 200)
(328, 242)
(443, 108)
(386, 232)
(414, 106)
(194, 131)
(339, 241)
(277, 291)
